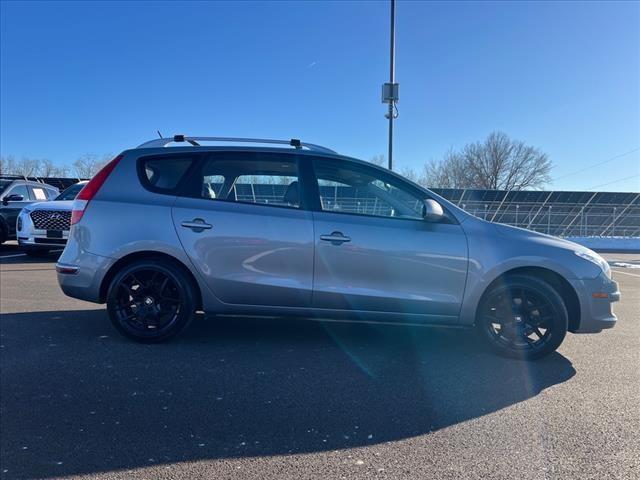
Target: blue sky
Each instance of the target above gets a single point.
(101, 77)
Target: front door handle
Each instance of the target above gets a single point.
(336, 238)
(197, 225)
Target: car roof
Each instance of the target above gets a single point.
(29, 182)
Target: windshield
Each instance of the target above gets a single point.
(71, 192)
(4, 184)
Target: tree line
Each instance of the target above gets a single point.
(85, 166)
(498, 162)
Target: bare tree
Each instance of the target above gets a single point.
(7, 165)
(26, 167)
(378, 160)
(497, 163)
(87, 165)
(34, 167)
(448, 173)
(411, 174)
(48, 169)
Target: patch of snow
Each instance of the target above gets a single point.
(620, 244)
(624, 265)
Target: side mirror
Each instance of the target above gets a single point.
(12, 198)
(432, 211)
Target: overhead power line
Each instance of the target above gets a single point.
(615, 181)
(597, 164)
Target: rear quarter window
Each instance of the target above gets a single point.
(163, 174)
(39, 193)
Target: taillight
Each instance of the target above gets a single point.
(90, 189)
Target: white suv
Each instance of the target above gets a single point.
(45, 225)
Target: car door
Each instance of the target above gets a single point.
(376, 252)
(243, 223)
(11, 209)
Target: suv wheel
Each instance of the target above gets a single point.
(150, 300)
(522, 317)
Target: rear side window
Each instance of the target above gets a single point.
(263, 179)
(39, 193)
(163, 174)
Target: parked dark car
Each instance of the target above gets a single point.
(15, 194)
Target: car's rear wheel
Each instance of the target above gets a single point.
(523, 317)
(151, 300)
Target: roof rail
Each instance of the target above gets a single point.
(294, 142)
(13, 177)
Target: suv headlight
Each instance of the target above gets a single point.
(596, 259)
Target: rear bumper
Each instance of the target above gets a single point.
(81, 276)
(596, 298)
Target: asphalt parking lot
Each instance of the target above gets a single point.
(249, 398)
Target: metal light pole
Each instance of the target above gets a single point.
(390, 90)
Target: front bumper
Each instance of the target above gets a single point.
(31, 238)
(596, 297)
(40, 240)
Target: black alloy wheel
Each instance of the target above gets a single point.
(151, 300)
(522, 317)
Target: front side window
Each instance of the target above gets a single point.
(19, 190)
(268, 181)
(356, 189)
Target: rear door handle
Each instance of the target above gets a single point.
(197, 225)
(336, 238)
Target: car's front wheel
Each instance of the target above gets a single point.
(151, 300)
(522, 316)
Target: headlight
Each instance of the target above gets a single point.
(596, 259)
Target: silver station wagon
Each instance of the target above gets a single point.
(284, 228)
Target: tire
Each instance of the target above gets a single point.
(36, 252)
(522, 317)
(151, 301)
(3, 232)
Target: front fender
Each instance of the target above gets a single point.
(492, 254)
(479, 279)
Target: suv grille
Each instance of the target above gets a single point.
(51, 219)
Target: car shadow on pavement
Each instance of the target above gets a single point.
(10, 253)
(78, 399)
